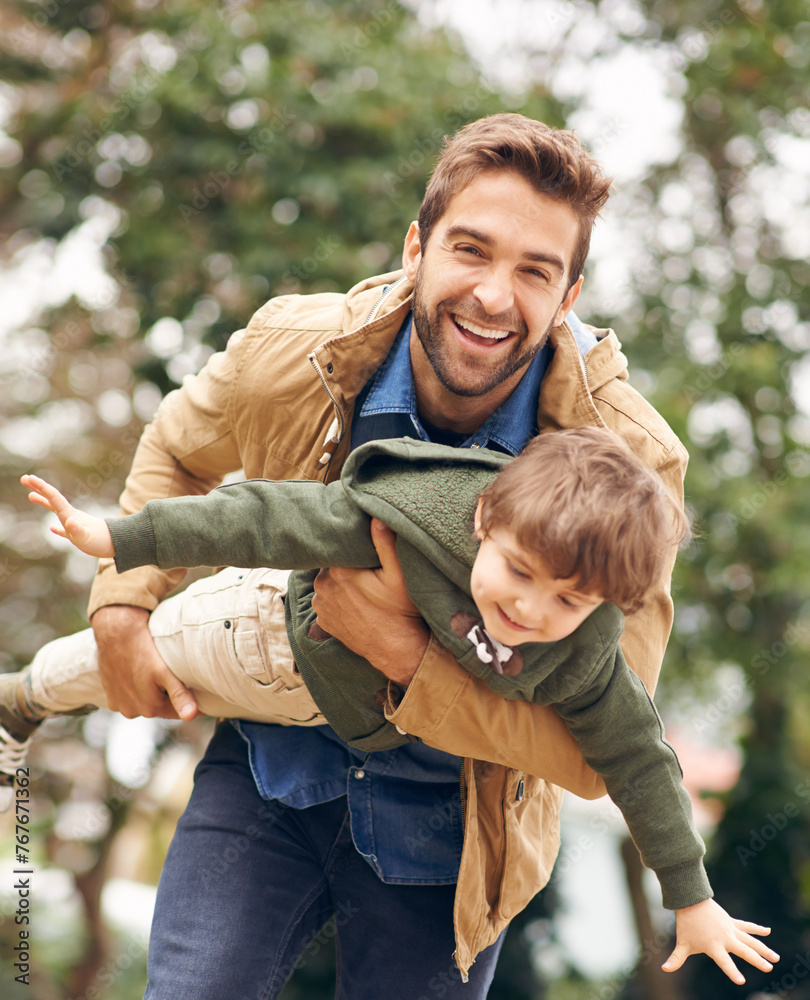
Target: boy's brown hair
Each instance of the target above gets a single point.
(552, 160)
(591, 510)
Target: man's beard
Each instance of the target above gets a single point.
(470, 379)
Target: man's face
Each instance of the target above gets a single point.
(491, 283)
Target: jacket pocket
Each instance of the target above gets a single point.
(531, 840)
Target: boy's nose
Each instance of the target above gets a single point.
(532, 612)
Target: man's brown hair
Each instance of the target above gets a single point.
(591, 510)
(552, 160)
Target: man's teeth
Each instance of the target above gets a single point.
(482, 331)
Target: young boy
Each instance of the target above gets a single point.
(518, 566)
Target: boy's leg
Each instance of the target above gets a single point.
(61, 679)
(225, 637)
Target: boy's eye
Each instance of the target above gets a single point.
(569, 603)
(518, 572)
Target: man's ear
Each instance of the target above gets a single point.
(567, 303)
(412, 252)
(479, 534)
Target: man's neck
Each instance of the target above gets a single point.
(459, 414)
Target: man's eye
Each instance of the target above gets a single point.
(474, 251)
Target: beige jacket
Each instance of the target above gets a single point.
(278, 403)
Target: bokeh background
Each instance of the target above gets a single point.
(167, 167)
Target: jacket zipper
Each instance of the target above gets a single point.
(584, 371)
(338, 411)
(314, 361)
(386, 291)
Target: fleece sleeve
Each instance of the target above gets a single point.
(286, 525)
(620, 735)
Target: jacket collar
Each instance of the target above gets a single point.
(375, 309)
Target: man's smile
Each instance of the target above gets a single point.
(476, 335)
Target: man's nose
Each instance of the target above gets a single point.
(494, 291)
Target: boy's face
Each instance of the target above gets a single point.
(518, 598)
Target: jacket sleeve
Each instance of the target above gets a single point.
(448, 708)
(453, 710)
(187, 449)
(286, 525)
(620, 734)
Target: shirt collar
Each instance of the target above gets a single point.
(510, 427)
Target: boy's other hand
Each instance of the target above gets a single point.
(136, 680)
(88, 533)
(706, 928)
(370, 611)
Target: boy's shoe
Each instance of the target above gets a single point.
(15, 737)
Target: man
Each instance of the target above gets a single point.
(418, 857)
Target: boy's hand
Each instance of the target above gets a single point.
(88, 533)
(706, 928)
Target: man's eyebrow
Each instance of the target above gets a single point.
(543, 258)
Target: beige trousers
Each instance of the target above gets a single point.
(225, 638)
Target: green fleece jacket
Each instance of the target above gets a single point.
(428, 493)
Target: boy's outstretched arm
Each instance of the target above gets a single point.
(88, 533)
(706, 928)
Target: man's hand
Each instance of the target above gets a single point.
(135, 678)
(89, 534)
(369, 611)
(706, 928)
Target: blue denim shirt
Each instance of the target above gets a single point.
(387, 405)
(405, 804)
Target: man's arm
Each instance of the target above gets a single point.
(135, 678)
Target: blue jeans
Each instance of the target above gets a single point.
(251, 887)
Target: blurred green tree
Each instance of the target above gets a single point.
(165, 169)
(720, 324)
